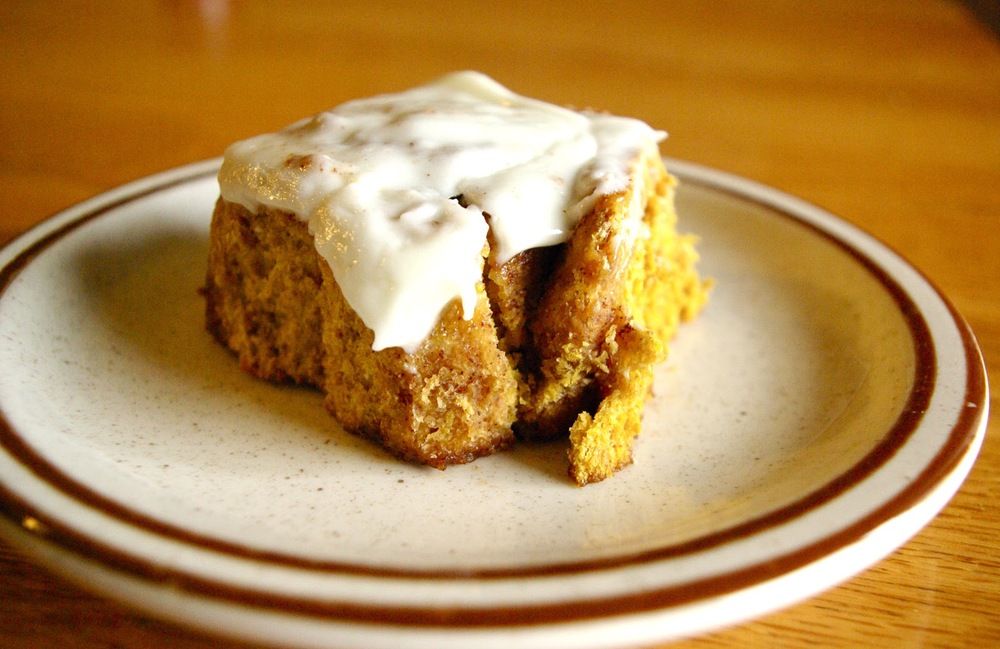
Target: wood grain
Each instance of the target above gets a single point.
(884, 112)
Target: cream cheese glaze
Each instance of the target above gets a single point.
(401, 190)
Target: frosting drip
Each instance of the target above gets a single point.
(401, 190)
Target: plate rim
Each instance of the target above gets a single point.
(962, 441)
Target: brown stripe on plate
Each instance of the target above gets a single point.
(953, 449)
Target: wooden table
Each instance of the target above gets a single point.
(887, 113)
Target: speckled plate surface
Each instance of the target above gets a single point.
(825, 406)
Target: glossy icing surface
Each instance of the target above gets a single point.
(402, 190)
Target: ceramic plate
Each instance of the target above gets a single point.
(824, 407)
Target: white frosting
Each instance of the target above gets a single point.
(380, 181)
